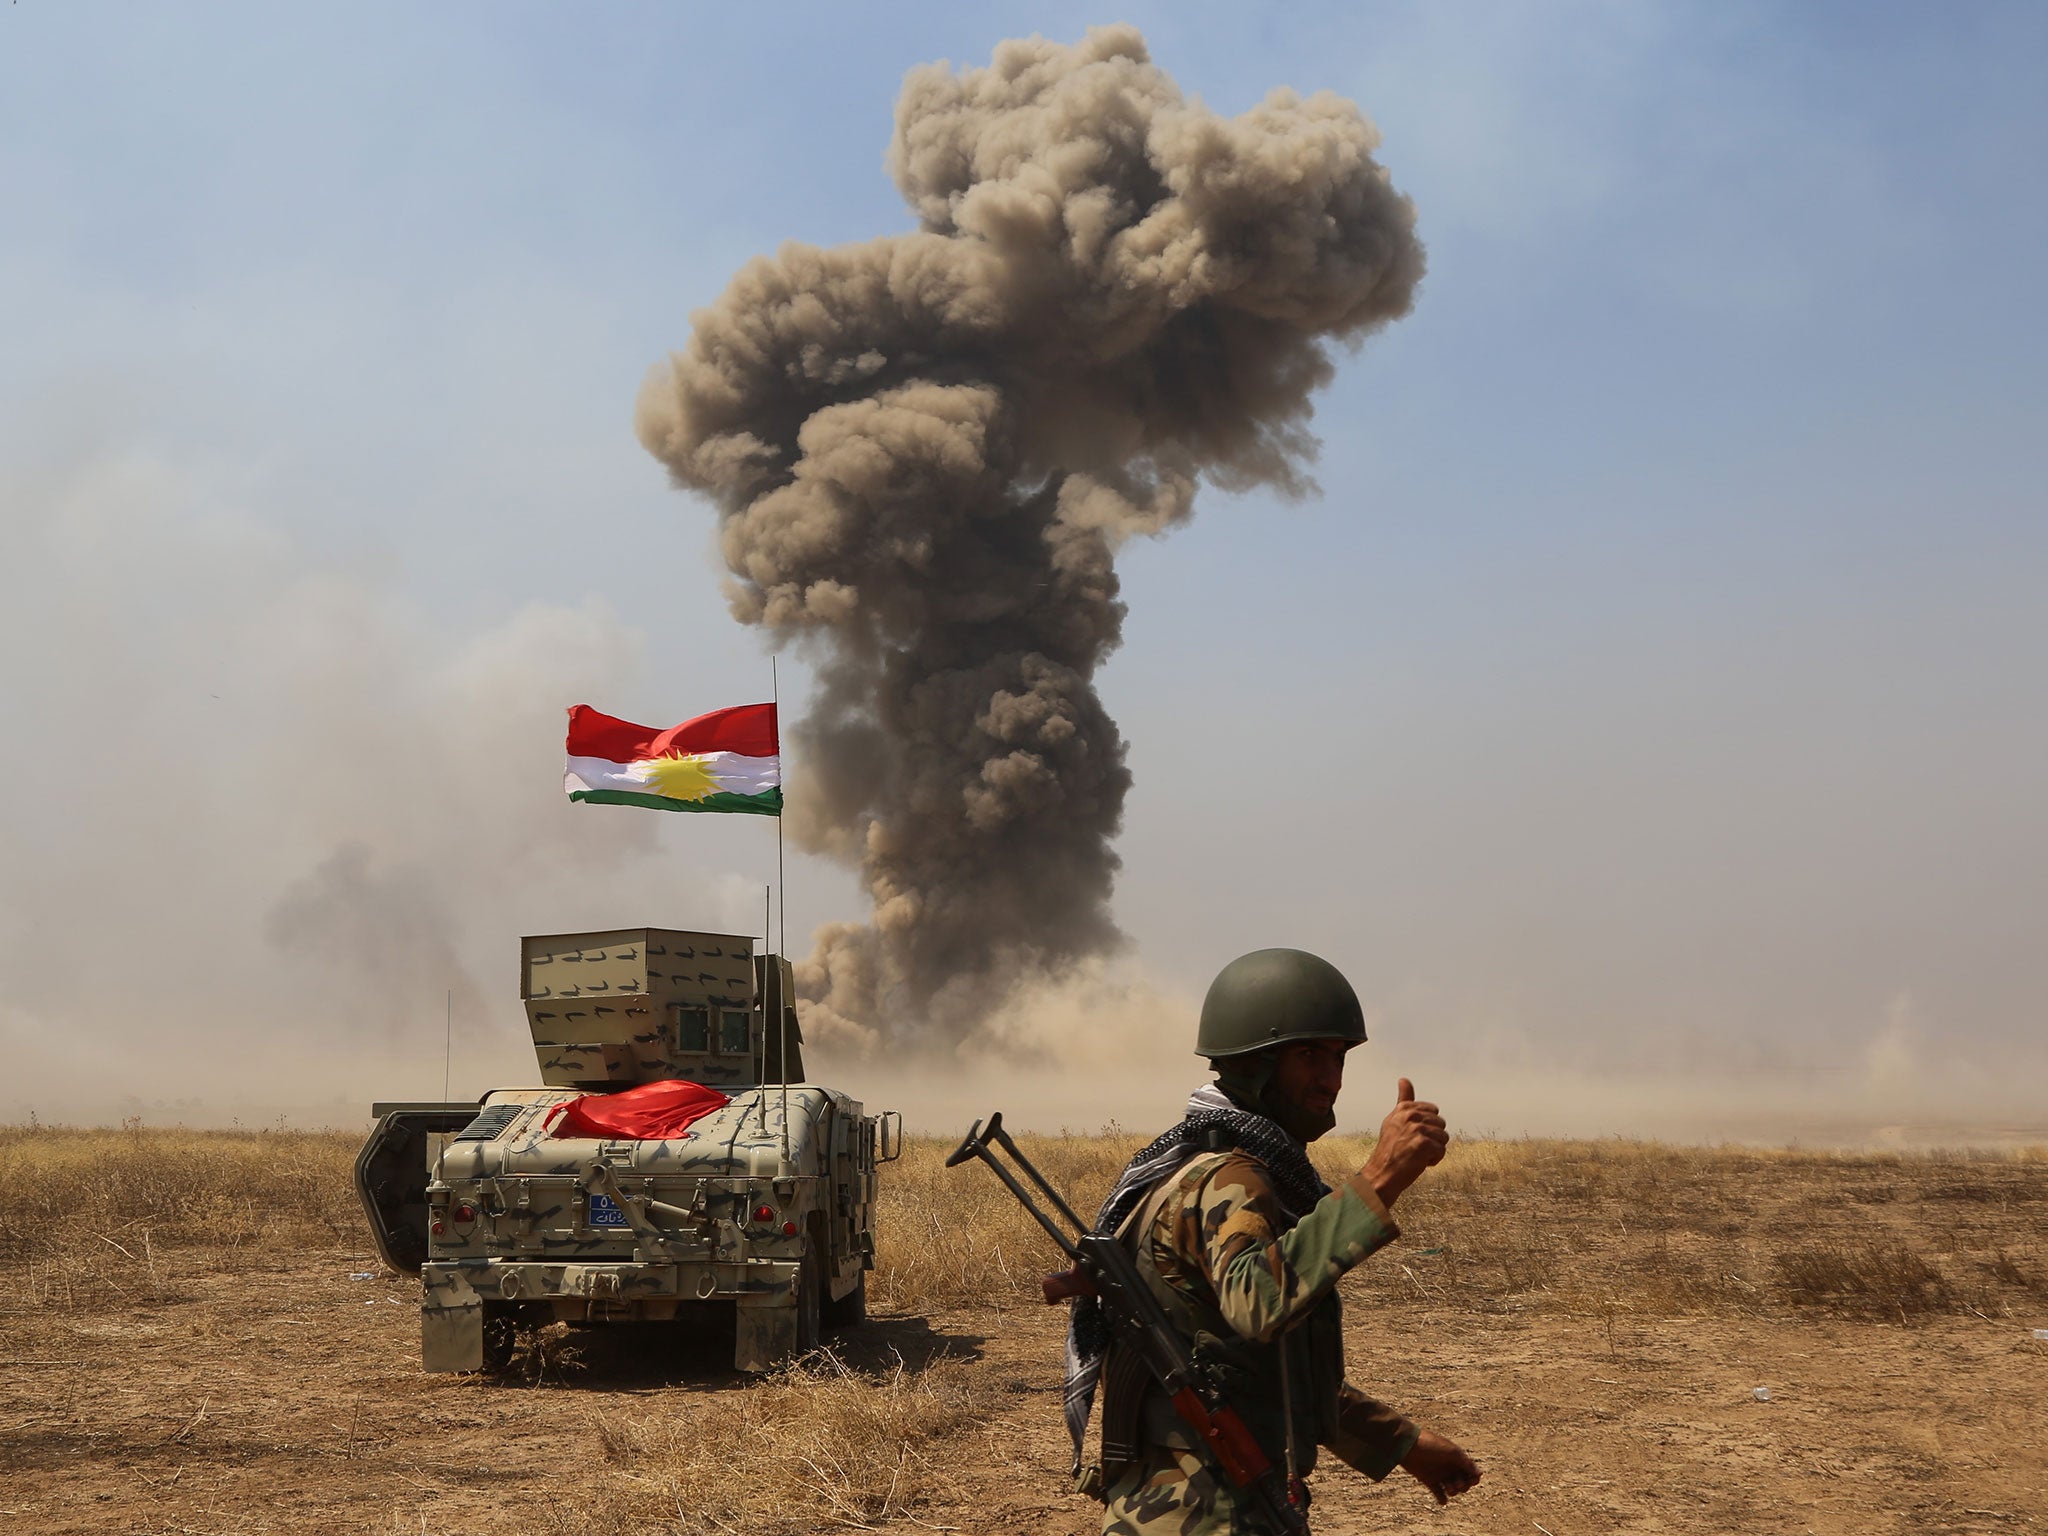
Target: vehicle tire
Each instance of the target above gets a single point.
(850, 1310)
(501, 1334)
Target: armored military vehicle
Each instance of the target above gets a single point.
(672, 1167)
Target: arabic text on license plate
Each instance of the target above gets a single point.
(603, 1213)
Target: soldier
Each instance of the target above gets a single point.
(1244, 1244)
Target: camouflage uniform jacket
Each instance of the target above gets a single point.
(1243, 1280)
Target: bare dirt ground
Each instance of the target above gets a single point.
(244, 1393)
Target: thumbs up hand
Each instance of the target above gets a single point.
(1413, 1138)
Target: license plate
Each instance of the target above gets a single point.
(605, 1213)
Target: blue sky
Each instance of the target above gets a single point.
(1656, 688)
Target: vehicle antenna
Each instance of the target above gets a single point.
(447, 1043)
(767, 959)
(782, 942)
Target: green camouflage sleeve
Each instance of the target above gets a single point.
(1370, 1435)
(1265, 1282)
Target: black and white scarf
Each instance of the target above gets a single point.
(1295, 1181)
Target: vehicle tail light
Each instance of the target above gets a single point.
(764, 1213)
(440, 1228)
(789, 1229)
(464, 1213)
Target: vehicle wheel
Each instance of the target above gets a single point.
(810, 1302)
(850, 1310)
(500, 1335)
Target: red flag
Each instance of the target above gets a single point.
(651, 1112)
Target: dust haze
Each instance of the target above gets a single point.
(272, 810)
(278, 835)
(307, 816)
(1109, 1047)
(926, 450)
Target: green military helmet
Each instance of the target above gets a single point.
(1274, 995)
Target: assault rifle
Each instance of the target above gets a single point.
(1102, 1265)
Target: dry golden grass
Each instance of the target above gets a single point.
(955, 1237)
(1587, 1227)
(94, 1215)
(1598, 1229)
(1599, 1226)
(814, 1447)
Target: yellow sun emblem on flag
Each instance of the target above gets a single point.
(681, 778)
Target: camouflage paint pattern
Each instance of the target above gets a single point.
(690, 1209)
(1234, 1273)
(451, 1321)
(659, 962)
(1168, 1492)
(1221, 1241)
(637, 1230)
(609, 1008)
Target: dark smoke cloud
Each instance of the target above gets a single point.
(926, 450)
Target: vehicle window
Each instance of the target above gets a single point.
(693, 1029)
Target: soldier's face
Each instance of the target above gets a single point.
(1309, 1076)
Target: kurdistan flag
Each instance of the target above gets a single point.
(727, 760)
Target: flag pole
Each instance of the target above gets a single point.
(782, 915)
(782, 912)
(767, 937)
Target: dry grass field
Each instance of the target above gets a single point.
(188, 1344)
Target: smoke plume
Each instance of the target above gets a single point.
(926, 450)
